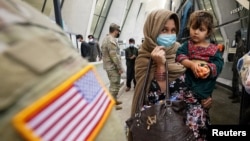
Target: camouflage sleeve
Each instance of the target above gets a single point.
(99, 50)
(113, 55)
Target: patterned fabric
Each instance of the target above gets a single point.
(211, 56)
(114, 81)
(200, 53)
(243, 69)
(197, 116)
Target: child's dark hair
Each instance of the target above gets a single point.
(131, 40)
(199, 18)
(79, 36)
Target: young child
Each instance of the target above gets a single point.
(204, 63)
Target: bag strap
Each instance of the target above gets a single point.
(142, 94)
(144, 87)
(167, 83)
(168, 101)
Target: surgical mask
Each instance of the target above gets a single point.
(131, 45)
(166, 40)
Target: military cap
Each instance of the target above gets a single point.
(115, 26)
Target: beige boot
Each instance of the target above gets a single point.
(118, 102)
(118, 107)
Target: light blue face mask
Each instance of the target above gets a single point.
(131, 45)
(166, 40)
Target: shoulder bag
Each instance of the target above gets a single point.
(160, 122)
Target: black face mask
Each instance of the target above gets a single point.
(118, 35)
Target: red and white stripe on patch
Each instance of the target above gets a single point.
(76, 110)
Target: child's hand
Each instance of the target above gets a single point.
(203, 71)
(207, 103)
(195, 69)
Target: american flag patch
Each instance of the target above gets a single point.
(75, 110)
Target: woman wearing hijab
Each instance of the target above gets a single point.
(160, 30)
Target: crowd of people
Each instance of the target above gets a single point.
(194, 65)
(89, 50)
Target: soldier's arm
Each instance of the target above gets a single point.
(99, 50)
(113, 55)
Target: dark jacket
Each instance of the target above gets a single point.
(130, 51)
(240, 51)
(85, 49)
(94, 51)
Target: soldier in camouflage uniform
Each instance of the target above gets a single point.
(36, 56)
(240, 51)
(112, 61)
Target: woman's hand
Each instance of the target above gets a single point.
(158, 55)
(207, 103)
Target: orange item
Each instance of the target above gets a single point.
(203, 71)
(220, 47)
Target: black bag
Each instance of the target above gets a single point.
(160, 122)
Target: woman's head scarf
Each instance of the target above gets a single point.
(154, 23)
